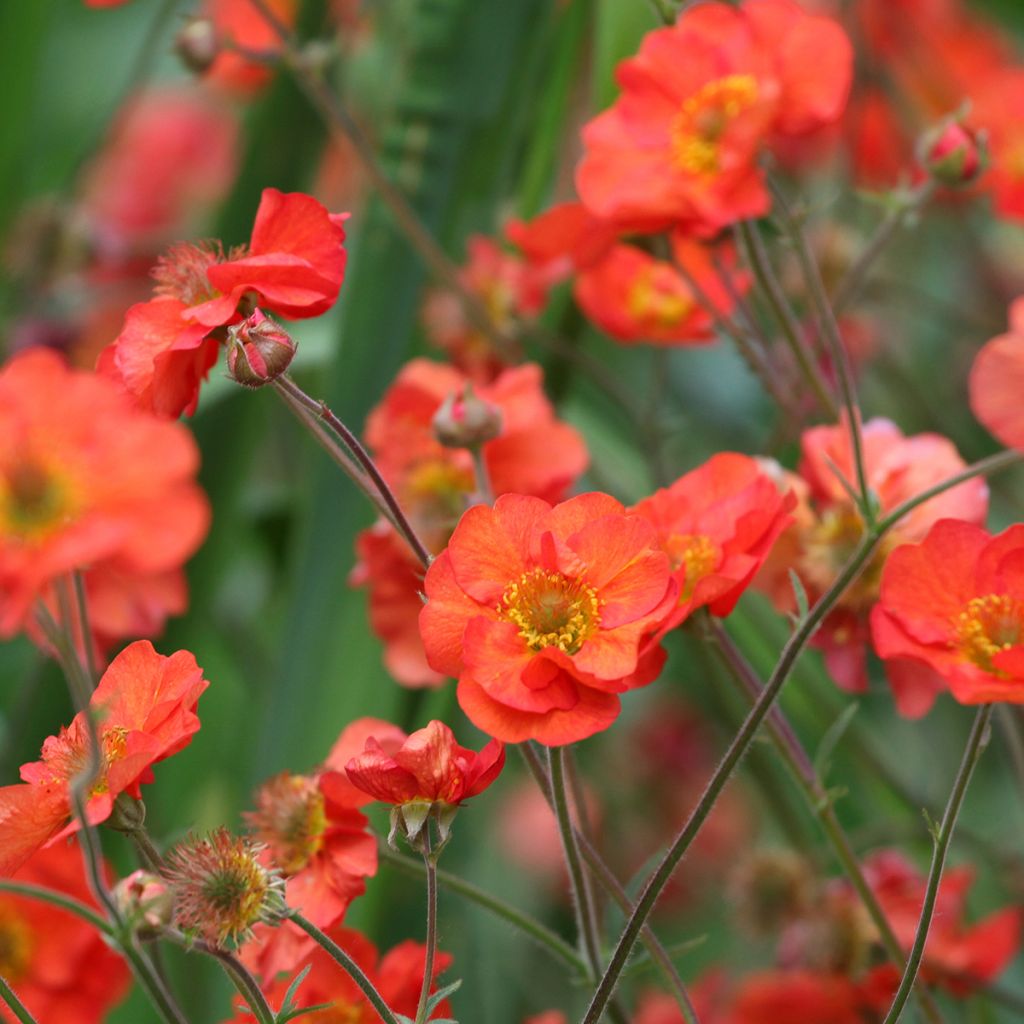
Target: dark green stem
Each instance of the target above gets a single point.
(430, 866)
(17, 1007)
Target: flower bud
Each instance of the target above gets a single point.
(259, 350)
(197, 45)
(466, 421)
(953, 154)
(143, 900)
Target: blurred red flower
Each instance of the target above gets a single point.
(247, 39)
(996, 382)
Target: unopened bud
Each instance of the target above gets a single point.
(143, 900)
(953, 154)
(466, 421)
(259, 350)
(197, 44)
(770, 889)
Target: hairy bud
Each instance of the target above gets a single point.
(953, 154)
(259, 350)
(466, 421)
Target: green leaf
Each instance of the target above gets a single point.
(833, 734)
(441, 994)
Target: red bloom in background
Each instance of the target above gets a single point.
(828, 528)
(58, 964)
(170, 152)
(534, 454)
(87, 482)
(796, 997)
(545, 614)
(510, 290)
(241, 26)
(997, 111)
(997, 379)
(146, 705)
(428, 767)
(959, 957)
(951, 611)
(717, 524)
(699, 102)
(397, 976)
(565, 238)
(293, 266)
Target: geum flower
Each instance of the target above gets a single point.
(293, 266)
(145, 709)
(89, 483)
(60, 966)
(950, 613)
(429, 772)
(699, 103)
(545, 614)
(997, 379)
(717, 525)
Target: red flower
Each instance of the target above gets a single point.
(428, 767)
(796, 997)
(717, 524)
(58, 964)
(535, 454)
(996, 111)
(996, 380)
(146, 706)
(951, 609)
(699, 102)
(562, 239)
(241, 26)
(397, 976)
(89, 483)
(293, 266)
(544, 614)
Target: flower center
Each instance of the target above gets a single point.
(16, 943)
(551, 610)
(34, 500)
(290, 819)
(698, 553)
(827, 547)
(180, 273)
(704, 118)
(653, 301)
(67, 756)
(988, 625)
(340, 1013)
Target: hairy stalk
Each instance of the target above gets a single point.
(88, 652)
(430, 865)
(287, 386)
(818, 799)
(17, 1007)
(349, 966)
(855, 277)
(975, 745)
(828, 331)
(58, 899)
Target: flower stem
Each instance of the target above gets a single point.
(287, 386)
(88, 650)
(430, 864)
(17, 1007)
(547, 939)
(350, 967)
(976, 743)
(57, 899)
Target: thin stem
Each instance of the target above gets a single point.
(287, 386)
(750, 242)
(349, 966)
(975, 745)
(17, 1007)
(88, 650)
(430, 864)
(57, 899)
(828, 330)
(544, 936)
(855, 277)
(484, 488)
(149, 978)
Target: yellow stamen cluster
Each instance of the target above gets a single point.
(16, 944)
(703, 120)
(35, 500)
(551, 610)
(290, 819)
(698, 553)
(988, 625)
(656, 306)
(342, 1013)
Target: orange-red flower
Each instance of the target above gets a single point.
(58, 964)
(951, 609)
(145, 704)
(717, 524)
(997, 112)
(699, 102)
(242, 28)
(828, 528)
(293, 266)
(545, 614)
(87, 482)
(996, 380)
(429, 767)
(534, 454)
(397, 976)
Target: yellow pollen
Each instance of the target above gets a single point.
(339, 1013)
(988, 625)
(652, 303)
(35, 500)
(16, 942)
(699, 126)
(551, 610)
(698, 553)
